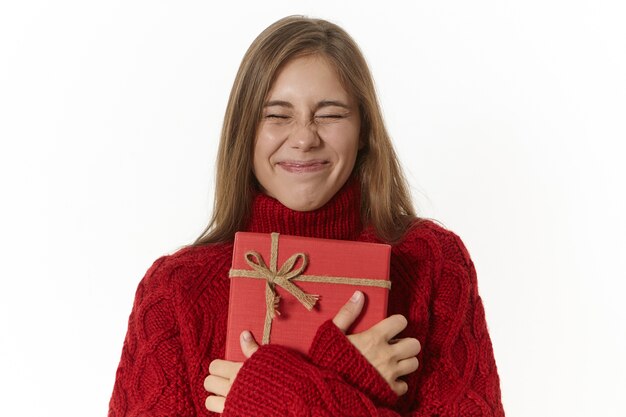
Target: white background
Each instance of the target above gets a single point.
(509, 117)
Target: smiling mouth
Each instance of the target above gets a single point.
(303, 166)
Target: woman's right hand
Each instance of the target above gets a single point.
(391, 357)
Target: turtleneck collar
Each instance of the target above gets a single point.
(340, 218)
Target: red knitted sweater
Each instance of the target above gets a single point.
(178, 326)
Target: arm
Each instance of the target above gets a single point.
(151, 379)
(390, 358)
(332, 350)
(277, 381)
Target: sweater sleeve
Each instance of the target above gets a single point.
(457, 375)
(151, 378)
(332, 350)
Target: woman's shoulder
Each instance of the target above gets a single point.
(181, 266)
(427, 238)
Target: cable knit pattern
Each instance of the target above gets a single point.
(178, 326)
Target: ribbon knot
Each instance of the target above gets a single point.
(282, 278)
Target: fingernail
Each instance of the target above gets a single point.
(356, 296)
(246, 336)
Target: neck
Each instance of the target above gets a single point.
(340, 218)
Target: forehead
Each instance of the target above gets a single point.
(308, 77)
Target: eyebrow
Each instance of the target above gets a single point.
(321, 104)
(333, 103)
(280, 103)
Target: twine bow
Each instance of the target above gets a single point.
(281, 278)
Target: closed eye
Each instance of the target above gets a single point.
(276, 116)
(330, 116)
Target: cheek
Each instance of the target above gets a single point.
(260, 155)
(262, 147)
(344, 140)
(268, 140)
(273, 131)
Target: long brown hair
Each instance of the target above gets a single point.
(386, 203)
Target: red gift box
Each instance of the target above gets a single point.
(325, 274)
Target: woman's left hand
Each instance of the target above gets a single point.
(222, 374)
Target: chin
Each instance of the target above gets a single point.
(303, 206)
(304, 203)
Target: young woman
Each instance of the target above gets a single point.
(304, 151)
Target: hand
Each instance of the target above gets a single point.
(222, 374)
(391, 357)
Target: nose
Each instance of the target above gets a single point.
(304, 136)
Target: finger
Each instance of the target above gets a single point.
(225, 369)
(399, 387)
(349, 312)
(390, 326)
(248, 344)
(217, 385)
(405, 348)
(407, 366)
(215, 403)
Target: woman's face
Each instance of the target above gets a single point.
(308, 137)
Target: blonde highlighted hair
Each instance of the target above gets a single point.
(386, 203)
